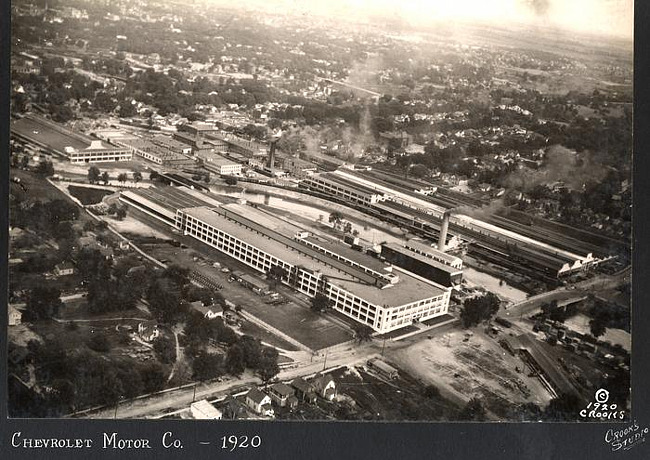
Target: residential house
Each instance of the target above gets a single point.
(304, 390)
(207, 312)
(148, 331)
(325, 386)
(64, 269)
(203, 410)
(15, 316)
(259, 402)
(283, 395)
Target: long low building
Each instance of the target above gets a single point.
(57, 139)
(427, 267)
(261, 241)
(341, 187)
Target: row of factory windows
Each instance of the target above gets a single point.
(308, 283)
(338, 190)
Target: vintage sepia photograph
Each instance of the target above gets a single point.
(352, 210)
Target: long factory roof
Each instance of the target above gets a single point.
(344, 182)
(270, 235)
(424, 259)
(425, 248)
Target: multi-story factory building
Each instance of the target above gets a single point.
(341, 187)
(427, 267)
(379, 295)
(56, 139)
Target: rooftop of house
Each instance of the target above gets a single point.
(256, 395)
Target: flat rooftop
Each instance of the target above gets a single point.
(341, 181)
(48, 133)
(171, 198)
(422, 246)
(409, 288)
(218, 160)
(345, 251)
(424, 259)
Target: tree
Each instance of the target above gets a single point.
(432, 391)
(93, 174)
(45, 168)
(252, 349)
(43, 302)
(105, 178)
(336, 218)
(418, 171)
(122, 178)
(153, 377)
(597, 327)
(120, 213)
(348, 227)
(268, 365)
(566, 407)
(479, 309)
(207, 366)
(137, 176)
(320, 302)
(230, 180)
(362, 332)
(165, 349)
(235, 363)
(473, 411)
(153, 175)
(275, 274)
(99, 343)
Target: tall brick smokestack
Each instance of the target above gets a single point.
(271, 159)
(443, 231)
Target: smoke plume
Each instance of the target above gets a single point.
(561, 165)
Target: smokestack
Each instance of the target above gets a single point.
(271, 160)
(443, 230)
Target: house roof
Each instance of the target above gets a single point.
(65, 265)
(322, 381)
(302, 385)
(282, 389)
(256, 395)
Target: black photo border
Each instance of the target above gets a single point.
(364, 440)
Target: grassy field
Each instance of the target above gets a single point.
(88, 195)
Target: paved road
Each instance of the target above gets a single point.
(576, 291)
(154, 405)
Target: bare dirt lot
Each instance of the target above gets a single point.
(478, 367)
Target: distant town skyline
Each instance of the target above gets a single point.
(607, 17)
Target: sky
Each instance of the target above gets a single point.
(608, 17)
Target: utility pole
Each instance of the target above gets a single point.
(383, 346)
(325, 362)
(194, 395)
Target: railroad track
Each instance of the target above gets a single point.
(205, 281)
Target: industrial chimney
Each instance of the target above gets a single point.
(272, 146)
(443, 230)
(271, 159)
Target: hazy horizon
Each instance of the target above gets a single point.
(614, 18)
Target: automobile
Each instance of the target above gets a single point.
(225, 270)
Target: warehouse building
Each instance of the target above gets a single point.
(426, 267)
(56, 139)
(341, 187)
(222, 166)
(384, 301)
